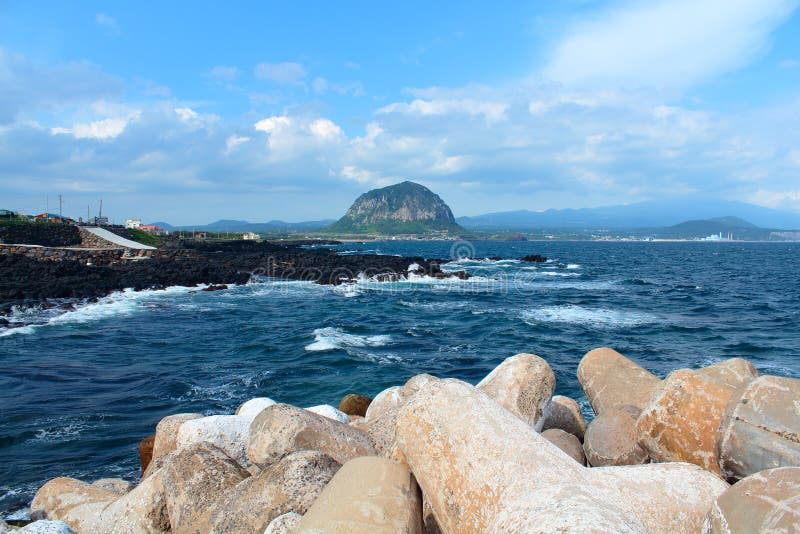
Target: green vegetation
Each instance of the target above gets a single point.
(145, 238)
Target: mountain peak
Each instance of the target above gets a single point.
(406, 207)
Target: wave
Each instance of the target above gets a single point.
(590, 317)
(336, 338)
(120, 303)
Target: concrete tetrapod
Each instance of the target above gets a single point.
(610, 380)
(761, 427)
(484, 470)
(368, 495)
(523, 385)
(768, 501)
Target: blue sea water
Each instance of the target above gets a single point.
(80, 389)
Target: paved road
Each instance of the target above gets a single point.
(117, 240)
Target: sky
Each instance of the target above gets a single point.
(190, 112)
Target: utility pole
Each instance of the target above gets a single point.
(59, 208)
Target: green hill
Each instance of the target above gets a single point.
(404, 208)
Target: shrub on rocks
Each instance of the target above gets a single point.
(290, 485)
(680, 423)
(282, 429)
(768, 501)
(523, 385)
(610, 380)
(565, 414)
(228, 432)
(353, 404)
(569, 443)
(611, 439)
(761, 427)
(484, 470)
(368, 494)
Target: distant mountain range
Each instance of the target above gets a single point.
(425, 211)
(652, 214)
(227, 225)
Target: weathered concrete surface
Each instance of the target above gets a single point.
(326, 410)
(353, 404)
(253, 407)
(290, 485)
(610, 380)
(734, 372)
(381, 420)
(228, 432)
(167, 432)
(282, 429)
(485, 470)
(565, 414)
(90, 509)
(43, 526)
(680, 424)
(116, 485)
(569, 443)
(523, 385)
(768, 501)
(761, 427)
(284, 524)
(611, 439)
(195, 479)
(368, 495)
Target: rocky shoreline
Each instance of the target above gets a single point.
(188, 263)
(441, 455)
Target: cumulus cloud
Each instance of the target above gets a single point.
(492, 111)
(287, 73)
(666, 43)
(100, 129)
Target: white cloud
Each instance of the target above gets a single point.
(224, 72)
(105, 20)
(191, 118)
(285, 73)
(325, 129)
(492, 111)
(100, 129)
(233, 141)
(273, 124)
(666, 43)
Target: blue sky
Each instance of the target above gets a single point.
(187, 113)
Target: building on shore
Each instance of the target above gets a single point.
(151, 228)
(133, 223)
(250, 236)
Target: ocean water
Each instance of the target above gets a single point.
(80, 389)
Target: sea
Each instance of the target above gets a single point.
(80, 388)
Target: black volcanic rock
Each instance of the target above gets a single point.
(404, 208)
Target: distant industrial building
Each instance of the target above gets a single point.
(250, 236)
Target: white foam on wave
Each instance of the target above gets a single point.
(119, 303)
(573, 266)
(591, 317)
(336, 338)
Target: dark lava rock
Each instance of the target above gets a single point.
(534, 258)
(218, 287)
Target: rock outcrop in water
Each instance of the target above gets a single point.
(446, 456)
(404, 208)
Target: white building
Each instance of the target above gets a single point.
(133, 223)
(250, 236)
